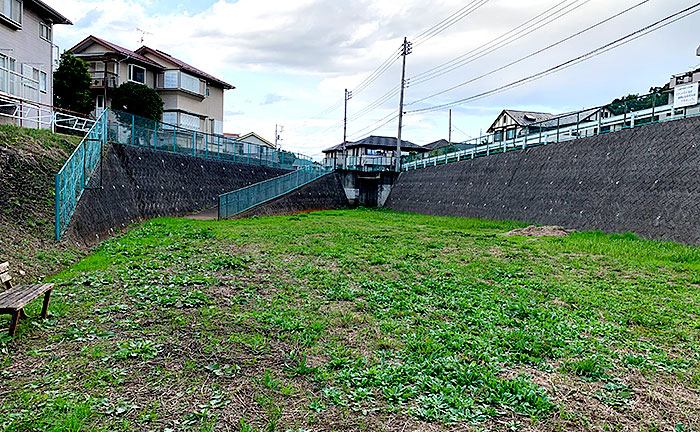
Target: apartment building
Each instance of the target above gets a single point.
(26, 60)
(192, 99)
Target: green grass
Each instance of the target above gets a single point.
(340, 320)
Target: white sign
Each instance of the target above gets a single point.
(685, 96)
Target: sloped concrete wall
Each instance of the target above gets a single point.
(644, 180)
(139, 184)
(325, 193)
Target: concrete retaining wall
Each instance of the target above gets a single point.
(140, 184)
(325, 193)
(644, 180)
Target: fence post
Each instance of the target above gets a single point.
(174, 140)
(248, 153)
(57, 204)
(132, 130)
(600, 121)
(155, 136)
(218, 147)
(193, 140)
(206, 146)
(525, 140)
(578, 122)
(558, 123)
(653, 106)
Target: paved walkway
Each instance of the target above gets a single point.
(208, 214)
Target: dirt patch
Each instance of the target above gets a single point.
(540, 231)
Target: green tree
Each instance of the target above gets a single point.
(138, 99)
(71, 84)
(657, 96)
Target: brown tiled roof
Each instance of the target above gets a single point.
(116, 48)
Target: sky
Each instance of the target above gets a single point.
(290, 60)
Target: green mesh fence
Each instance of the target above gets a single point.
(80, 170)
(79, 173)
(128, 129)
(233, 203)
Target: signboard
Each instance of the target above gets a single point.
(685, 96)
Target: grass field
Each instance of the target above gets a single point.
(361, 320)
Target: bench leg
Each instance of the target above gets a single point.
(13, 322)
(22, 315)
(45, 308)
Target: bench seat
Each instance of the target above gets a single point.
(15, 298)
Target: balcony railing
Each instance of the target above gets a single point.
(22, 87)
(361, 163)
(104, 79)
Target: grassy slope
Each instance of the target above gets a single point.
(362, 320)
(29, 158)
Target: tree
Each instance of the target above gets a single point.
(657, 96)
(139, 100)
(71, 84)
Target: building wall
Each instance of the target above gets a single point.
(27, 47)
(645, 180)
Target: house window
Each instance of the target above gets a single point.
(12, 10)
(510, 134)
(498, 136)
(45, 32)
(207, 91)
(137, 74)
(189, 83)
(43, 81)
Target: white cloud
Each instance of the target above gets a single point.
(307, 51)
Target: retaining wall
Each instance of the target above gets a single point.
(325, 193)
(139, 184)
(645, 180)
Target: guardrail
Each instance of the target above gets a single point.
(79, 173)
(549, 132)
(128, 129)
(240, 200)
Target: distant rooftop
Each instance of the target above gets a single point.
(379, 142)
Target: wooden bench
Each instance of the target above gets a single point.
(14, 299)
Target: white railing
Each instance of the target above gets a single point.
(15, 84)
(39, 116)
(545, 133)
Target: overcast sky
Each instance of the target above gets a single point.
(292, 59)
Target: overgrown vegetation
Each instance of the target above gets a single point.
(29, 158)
(362, 320)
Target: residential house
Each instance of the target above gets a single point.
(26, 60)
(513, 123)
(374, 153)
(110, 65)
(192, 99)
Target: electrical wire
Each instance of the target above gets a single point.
(448, 22)
(528, 56)
(515, 34)
(365, 131)
(591, 54)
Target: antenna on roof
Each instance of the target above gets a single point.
(143, 34)
(697, 53)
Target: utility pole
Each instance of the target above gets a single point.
(348, 96)
(277, 134)
(405, 50)
(449, 134)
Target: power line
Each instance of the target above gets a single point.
(600, 50)
(394, 115)
(518, 33)
(448, 22)
(532, 54)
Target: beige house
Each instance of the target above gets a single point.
(513, 123)
(27, 56)
(192, 99)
